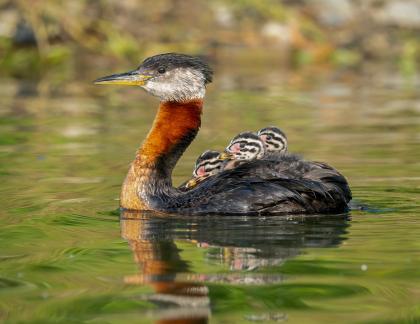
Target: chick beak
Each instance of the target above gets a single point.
(226, 156)
(191, 183)
(128, 78)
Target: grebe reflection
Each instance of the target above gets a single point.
(236, 244)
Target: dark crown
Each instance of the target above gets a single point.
(246, 135)
(176, 60)
(207, 155)
(272, 129)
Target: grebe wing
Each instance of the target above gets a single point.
(333, 180)
(241, 191)
(236, 196)
(291, 165)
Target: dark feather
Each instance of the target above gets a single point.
(279, 184)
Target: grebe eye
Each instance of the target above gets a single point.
(242, 145)
(268, 137)
(161, 70)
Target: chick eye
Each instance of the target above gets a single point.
(161, 70)
(268, 137)
(242, 145)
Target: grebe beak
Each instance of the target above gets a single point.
(127, 78)
(226, 156)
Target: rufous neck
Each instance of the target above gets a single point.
(174, 128)
(148, 184)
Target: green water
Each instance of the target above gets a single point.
(65, 255)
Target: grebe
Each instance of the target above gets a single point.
(207, 164)
(274, 138)
(251, 189)
(245, 146)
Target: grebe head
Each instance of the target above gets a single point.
(244, 146)
(170, 76)
(274, 138)
(207, 164)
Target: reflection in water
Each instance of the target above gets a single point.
(241, 243)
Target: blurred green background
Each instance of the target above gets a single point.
(68, 36)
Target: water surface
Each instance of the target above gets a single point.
(67, 255)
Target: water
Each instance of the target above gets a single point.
(65, 255)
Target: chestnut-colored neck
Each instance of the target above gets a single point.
(148, 185)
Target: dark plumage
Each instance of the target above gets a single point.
(278, 184)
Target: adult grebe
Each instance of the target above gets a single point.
(282, 184)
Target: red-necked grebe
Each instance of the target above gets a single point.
(282, 183)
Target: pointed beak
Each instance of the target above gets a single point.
(191, 183)
(128, 78)
(226, 156)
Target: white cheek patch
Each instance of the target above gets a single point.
(157, 88)
(181, 84)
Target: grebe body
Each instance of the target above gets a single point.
(276, 184)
